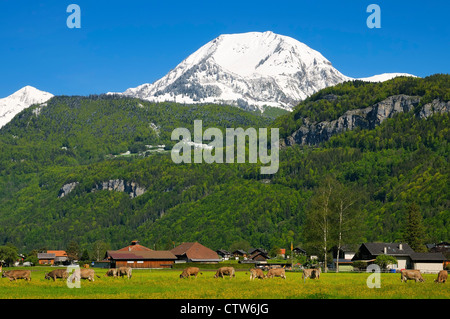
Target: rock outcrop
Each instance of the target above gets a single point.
(119, 185)
(66, 189)
(313, 133)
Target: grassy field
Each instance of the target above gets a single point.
(166, 284)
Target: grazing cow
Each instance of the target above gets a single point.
(276, 272)
(111, 272)
(190, 271)
(256, 273)
(225, 271)
(124, 271)
(17, 274)
(411, 275)
(57, 273)
(442, 277)
(86, 273)
(311, 273)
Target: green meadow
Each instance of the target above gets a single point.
(166, 284)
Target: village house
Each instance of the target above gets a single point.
(299, 251)
(405, 255)
(52, 257)
(259, 256)
(239, 253)
(224, 254)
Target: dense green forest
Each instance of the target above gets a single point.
(85, 139)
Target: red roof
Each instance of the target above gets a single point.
(134, 246)
(195, 251)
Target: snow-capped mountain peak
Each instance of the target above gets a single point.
(19, 100)
(249, 70)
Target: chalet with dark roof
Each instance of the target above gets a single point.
(406, 257)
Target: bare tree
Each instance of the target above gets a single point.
(99, 249)
(318, 219)
(333, 218)
(348, 224)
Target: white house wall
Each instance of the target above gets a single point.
(428, 267)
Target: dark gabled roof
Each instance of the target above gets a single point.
(223, 251)
(253, 250)
(258, 253)
(392, 249)
(437, 257)
(141, 255)
(299, 249)
(240, 251)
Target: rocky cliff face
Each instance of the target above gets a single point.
(118, 185)
(313, 133)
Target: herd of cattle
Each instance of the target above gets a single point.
(222, 272)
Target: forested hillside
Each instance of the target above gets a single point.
(80, 140)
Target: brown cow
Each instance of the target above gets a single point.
(256, 273)
(225, 271)
(276, 272)
(310, 273)
(190, 271)
(17, 274)
(87, 273)
(413, 274)
(111, 272)
(124, 271)
(442, 277)
(57, 273)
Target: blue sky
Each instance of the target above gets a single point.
(123, 44)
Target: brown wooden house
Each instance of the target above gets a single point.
(141, 259)
(138, 256)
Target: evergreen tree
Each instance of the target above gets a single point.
(414, 233)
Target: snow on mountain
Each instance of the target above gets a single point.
(249, 70)
(384, 77)
(20, 100)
